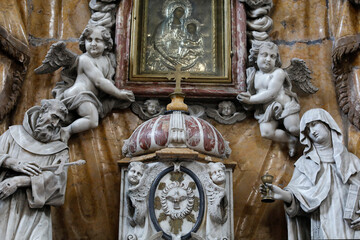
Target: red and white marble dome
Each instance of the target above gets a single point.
(176, 130)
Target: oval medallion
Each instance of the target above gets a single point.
(176, 203)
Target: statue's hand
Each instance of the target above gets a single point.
(8, 187)
(126, 95)
(28, 168)
(278, 193)
(356, 223)
(244, 97)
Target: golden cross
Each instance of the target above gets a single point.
(178, 75)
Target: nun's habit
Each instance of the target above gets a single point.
(320, 186)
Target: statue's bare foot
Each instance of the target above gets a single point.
(65, 134)
(292, 146)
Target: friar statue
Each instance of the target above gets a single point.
(29, 154)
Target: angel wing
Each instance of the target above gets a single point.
(299, 75)
(196, 110)
(138, 110)
(58, 56)
(213, 113)
(217, 203)
(137, 196)
(236, 117)
(142, 190)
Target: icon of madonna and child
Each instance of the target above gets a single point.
(177, 40)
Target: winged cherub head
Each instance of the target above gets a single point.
(226, 108)
(152, 106)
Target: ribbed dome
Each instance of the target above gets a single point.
(176, 130)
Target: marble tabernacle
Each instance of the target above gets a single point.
(174, 182)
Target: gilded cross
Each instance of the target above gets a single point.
(178, 75)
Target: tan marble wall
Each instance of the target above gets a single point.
(303, 29)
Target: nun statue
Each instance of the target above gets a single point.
(321, 200)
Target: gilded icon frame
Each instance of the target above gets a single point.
(229, 45)
(150, 31)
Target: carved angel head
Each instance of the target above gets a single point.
(217, 172)
(152, 106)
(105, 35)
(135, 172)
(256, 48)
(226, 108)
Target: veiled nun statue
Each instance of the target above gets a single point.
(321, 200)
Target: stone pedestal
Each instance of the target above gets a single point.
(189, 198)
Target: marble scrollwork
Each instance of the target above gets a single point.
(258, 22)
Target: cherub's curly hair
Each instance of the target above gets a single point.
(255, 49)
(105, 33)
(147, 103)
(218, 164)
(223, 103)
(134, 164)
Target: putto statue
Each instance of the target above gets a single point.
(90, 91)
(29, 154)
(324, 189)
(269, 90)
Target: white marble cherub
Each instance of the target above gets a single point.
(217, 201)
(269, 89)
(135, 198)
(321, 197)
(94, 73)
(85, 91)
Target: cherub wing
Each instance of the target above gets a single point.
(196, 111)
(58, 56)
(213, 113)
(138, 110)
(236, 117)
(141, 191)
(299, 75)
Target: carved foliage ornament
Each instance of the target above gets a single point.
(19, 55)
(347, 95)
